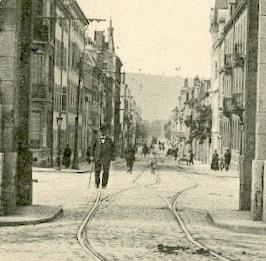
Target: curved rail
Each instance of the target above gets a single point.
(172, 206)
(81, 235)
(81, 232)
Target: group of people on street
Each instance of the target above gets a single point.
(188, 157)
(130, 157)
(220, 163)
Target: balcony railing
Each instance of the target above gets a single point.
(228, 61)
(239, 49)
(239, 55)
(227, 106)
(237, 105)
(237, 99)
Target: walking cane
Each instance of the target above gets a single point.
(91, 171)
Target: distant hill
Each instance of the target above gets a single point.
(155, 95)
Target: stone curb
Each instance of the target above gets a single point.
(55, 212)
(50, 170)
(257, 228)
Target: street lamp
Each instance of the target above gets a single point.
(75, 164)
(59, 120)
(241, 137)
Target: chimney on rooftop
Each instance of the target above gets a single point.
(99, 39)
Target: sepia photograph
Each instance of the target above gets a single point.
(132, 130)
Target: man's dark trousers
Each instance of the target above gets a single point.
(100, 165)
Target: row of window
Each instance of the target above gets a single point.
(37, 137)
(60, 98)
(39, 76)
(60, 55)
(227, 85)
(238, 84)
(75, 26)
(231, 137)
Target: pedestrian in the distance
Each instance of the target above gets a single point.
(227, 159)
(215, 161)
(153, 162)
(103, 153)
(222, 163)
(66, 156)
(88, 155)
(145, 150)
(130, 157)
(191, 158)
(175, 152)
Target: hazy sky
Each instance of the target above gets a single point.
(156, 36)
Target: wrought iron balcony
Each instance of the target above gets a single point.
(237, 99)
(239, 55)
(227, 106)
(237, 105)
(239, 49)
(227, 65)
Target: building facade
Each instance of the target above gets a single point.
(71, 76)
(42, 78)
(218, 19)
(193, 119)
(238, 47)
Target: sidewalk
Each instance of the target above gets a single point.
(220, 196)
(31, 215)
(202, 168)
(83, 168)
(36, 213)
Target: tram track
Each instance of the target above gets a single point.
(172, 207)
(81, 235)
(92, 253)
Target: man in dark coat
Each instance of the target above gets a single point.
(130, 157)
(103, 152)
(227, 159)
(145, 150)
(66, 156)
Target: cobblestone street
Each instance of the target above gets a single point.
(135, 224)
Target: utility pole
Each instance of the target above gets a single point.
(256, 19)
(15, 56)
(248, 113)
(59, 118)
(24, 164)
(75, 158)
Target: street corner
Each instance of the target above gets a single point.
(235, 221)
(31, 215)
